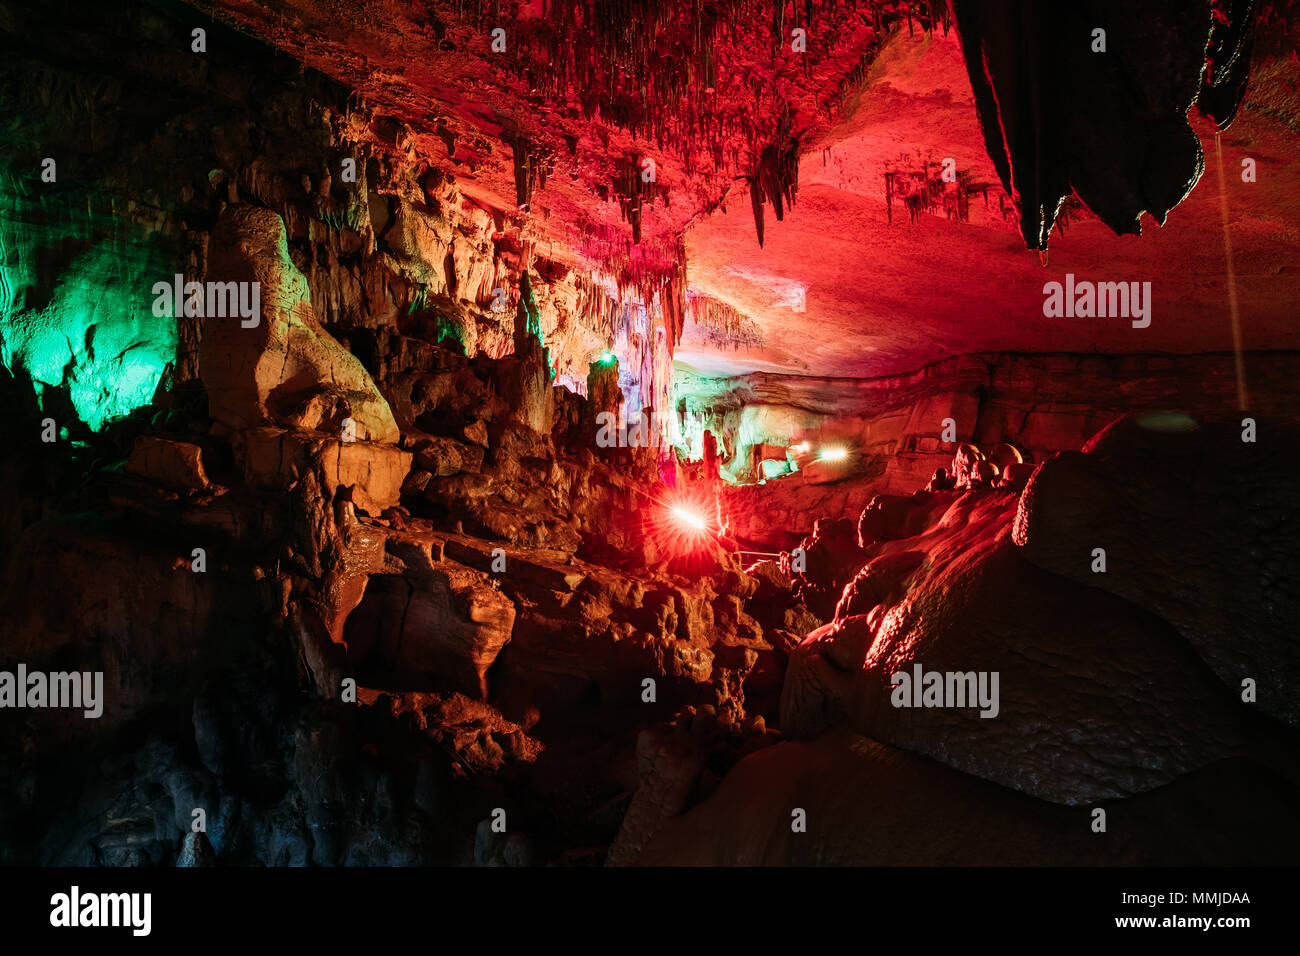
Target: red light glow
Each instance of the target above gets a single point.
(683, 526)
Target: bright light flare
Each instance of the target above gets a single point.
(833, 454)
(682, 526)
(689, 518)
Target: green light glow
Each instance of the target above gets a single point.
(726, 406)
(81, 321)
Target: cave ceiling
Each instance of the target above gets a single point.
(805, 196)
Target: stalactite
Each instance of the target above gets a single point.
(672, 297)
(528, 338)
(925, 191)
(671, 75)
(777, 177)
(531, 164)
(723, 326)
(668, 74)
(634, 190)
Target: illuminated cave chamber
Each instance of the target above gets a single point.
(625, 408)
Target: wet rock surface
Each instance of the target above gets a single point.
(1194, 523)
(379, 671)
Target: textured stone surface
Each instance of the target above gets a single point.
(273, 458)
(936, 285)
(119, 599)
(177, 464)
(475, 605)
(1099, 698)
(436, 626)
(1041, 404)
(1197, 527)
(286, 370)
(868, 804)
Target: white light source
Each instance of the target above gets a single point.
(833, 454)
(688, 517)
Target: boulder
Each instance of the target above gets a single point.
(883, 581)
(868, 804)
(830, 557)
(514, 565)
(940, 481)
(119, 597)
(1016, 475)
(446, 456)
(435, 627)
(1197, 527)
(277, 458)
(1096, 698)
(964, 465)
(175, 464)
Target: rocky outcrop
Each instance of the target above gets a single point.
(432, 627)
(366, 588)
(1192, 521)
(280, 367)
(679, 764)
(276, 459)
(176, 464)
(895, 426)
(122, 598)
(824, 563)
(1106, 699)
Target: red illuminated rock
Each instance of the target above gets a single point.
(450, 245)
(824, 562)
(975, 605)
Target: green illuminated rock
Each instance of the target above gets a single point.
(75, 307)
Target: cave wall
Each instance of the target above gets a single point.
(894, 425)
(151, 141)
(500, 589)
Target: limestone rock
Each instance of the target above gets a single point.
(437, 626)
(176, 464)
(276, 458)
(196, 851)
(964, 465)
(1064, 654)
(287, 370)
(921, 813)
(1194, 524)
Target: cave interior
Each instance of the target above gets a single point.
(649, 432)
